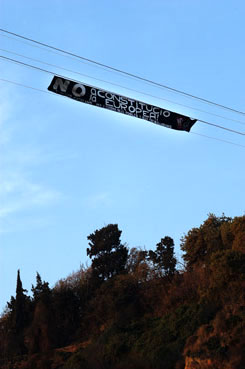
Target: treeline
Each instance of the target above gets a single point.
(134, 308)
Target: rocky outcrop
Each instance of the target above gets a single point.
(219, 344)
(196, 363)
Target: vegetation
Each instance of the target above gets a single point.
(134, 309)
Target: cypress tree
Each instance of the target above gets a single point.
(20, 314)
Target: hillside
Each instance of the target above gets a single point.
(137, 309)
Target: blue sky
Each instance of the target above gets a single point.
(67, 168)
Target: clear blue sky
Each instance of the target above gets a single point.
(67, 168)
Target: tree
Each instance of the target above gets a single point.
(19, 314)
(163, 257)
(67, 307)
(138, 265)
(200, 243)
(21, 308)
(108, 255)
(40, 333)
(41, 290)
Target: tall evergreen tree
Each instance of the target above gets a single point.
(20, 305)
(19, 308)
(41, 290)
(108, 255)
(163, 257)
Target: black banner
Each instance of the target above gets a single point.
(121, 104)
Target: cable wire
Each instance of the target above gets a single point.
(127, 88)
(57, 95)
(52, 73)
(217, 139)
(221, 127)
(30, 87)
(52, 51)
(124, 72)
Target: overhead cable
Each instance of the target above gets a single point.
(53, 73)
(217, 139)
(124, 72)
(52, 51)
(221, 127)
(29, 87)
(118, 85)
(47, 92)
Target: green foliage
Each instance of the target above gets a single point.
(165, 337)
(117, 300)
(225, 267)
(124, 316)
(157, 341)
(200, 243)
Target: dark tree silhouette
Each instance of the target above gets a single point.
(41, 290)
(19, 309)
(20, 305)
(163, 257)
(108, 255)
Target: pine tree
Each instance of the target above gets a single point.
(108, 255)
(163, 258)
(41, 290)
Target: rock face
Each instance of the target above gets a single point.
(195, 363)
